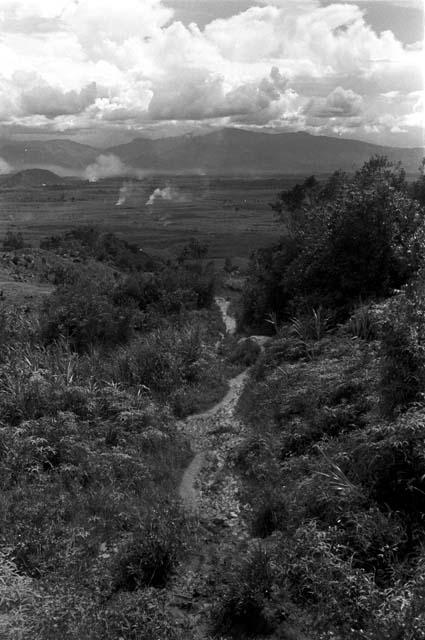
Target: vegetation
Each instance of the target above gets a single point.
(333, 463)
(350, 239)
(92, 530)
(327, 456)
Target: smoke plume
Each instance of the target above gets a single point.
(5, 167)
(125, 192)
(109, 166)
(168, 193)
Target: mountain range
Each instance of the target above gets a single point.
(228, 151)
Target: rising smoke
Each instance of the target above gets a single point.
(110, 166)
(124, 193)
(167, 193)
(5, 167)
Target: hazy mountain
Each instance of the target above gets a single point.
(238, 151)
(61, 153)
(228, 151)
(30, 178)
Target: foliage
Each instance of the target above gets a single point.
(193, 250)
(359, 238)
(88, 242)
(168, 291)
(245, 352)
(150, 557)
(13, 241)
(84, 314)
(174, 363)
(403, 355)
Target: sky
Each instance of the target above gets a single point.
(104, 72)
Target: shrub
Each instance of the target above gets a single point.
(363, 241)
(270, 514)
(83, 314)
(152, 554)
(242, 611)
(13, 241)
(245, 352)
(403, 355)
(363, 324)
(19, 596)
(389, 462)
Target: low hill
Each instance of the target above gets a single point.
(31, 178)
(235, 151)
(60, 153)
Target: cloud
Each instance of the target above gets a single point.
(43, 99)
(69, 65)
(413, 4)
(341, 103)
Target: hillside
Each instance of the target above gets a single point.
(228, 151)
(237, 151)
(168, 475)
(31, 178)
(60, 153)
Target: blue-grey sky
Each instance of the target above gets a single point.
(104, 71)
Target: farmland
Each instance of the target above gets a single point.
(231, 214)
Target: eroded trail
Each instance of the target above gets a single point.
(203, 429)
(209, 491)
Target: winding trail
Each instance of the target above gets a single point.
(200, 422)
(209, 490)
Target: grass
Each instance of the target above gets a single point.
(214, 211)
(91, 458)
(335, 490)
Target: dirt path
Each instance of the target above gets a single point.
(209, 491)
(198, 424)
(203, 430)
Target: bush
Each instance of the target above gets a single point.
(270, 514)
(84, 315)
(361, 241)
(389, 462)
(242, 611)
(402, 355)
(152, 554)
(13, 241)
(170, 290)
(245, 352)
(363, 324)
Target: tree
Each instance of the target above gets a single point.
(359, 237)
(13, 241)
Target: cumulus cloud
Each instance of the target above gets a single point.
(414, 4)
(98, 63)
(341, 103)
(43, 99)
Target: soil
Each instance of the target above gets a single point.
(209, 491)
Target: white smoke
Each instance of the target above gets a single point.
(168, 193)
(5, 167)
(109, 166)
(125, 192)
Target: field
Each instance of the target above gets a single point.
(159, 213)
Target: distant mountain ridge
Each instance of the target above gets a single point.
(239, 151)
(227, 151)
(62, 153)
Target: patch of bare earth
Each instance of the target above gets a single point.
(209, 491)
